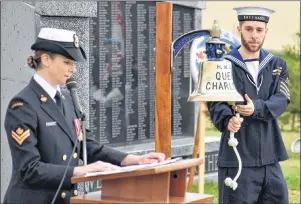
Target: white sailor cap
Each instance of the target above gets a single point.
(60, 41)
(253, 13)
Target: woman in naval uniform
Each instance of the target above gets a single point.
(40, 129)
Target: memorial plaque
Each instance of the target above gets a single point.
(182, 111)
(122, 75)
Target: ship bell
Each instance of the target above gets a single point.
(215, 79)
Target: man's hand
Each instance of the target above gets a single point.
(98, 166)
(245, 110)
(143, 159)
(234, 124)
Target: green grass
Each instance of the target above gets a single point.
(210, 189)
(212, 133)
(290, 168)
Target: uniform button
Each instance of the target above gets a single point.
(75, 192)
(64, 157)
(75, 155)
(63, 195)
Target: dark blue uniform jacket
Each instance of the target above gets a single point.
(41, 141)
(260, 140)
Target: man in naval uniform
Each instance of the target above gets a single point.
(41, 127)
(262, 79)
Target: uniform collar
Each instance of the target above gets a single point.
(264, 58)
(50, 107)
(46, 86)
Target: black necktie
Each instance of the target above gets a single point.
(59, 101)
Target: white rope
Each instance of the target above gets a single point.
(233, 143)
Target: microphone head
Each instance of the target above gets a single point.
(71, 83)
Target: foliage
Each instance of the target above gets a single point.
(284, 120)
(294, 50)
(294, 81)
(291, 54)
(292, 57)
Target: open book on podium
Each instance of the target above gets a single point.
(163, 182)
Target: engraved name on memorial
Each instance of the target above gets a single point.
(122, 74)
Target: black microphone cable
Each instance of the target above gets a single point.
(63, 178)
(71, 85)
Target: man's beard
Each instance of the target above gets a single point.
(248, 47)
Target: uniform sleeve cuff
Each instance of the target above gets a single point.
(257, 108)
(67, 181)
(226, 121)
(114, 156)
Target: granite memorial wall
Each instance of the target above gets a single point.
(122, 73)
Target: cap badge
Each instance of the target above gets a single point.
(76, 41)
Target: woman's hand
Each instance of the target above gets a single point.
(98, 166)
(143, 159)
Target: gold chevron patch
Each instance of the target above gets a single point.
(20, 136)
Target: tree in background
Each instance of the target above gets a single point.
(293, 50)
(291, 54)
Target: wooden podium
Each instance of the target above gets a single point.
(159, 184)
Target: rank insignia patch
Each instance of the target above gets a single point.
(19, 135)
(17, 104)
(277, 71)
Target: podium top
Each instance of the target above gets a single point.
(182, 164)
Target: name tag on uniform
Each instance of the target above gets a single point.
(53, 123)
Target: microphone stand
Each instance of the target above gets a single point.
(84, 139)
(83, 124)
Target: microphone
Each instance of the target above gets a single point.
(72, 87)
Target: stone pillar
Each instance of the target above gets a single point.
(17, 35)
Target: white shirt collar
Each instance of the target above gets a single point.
(46, 86)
